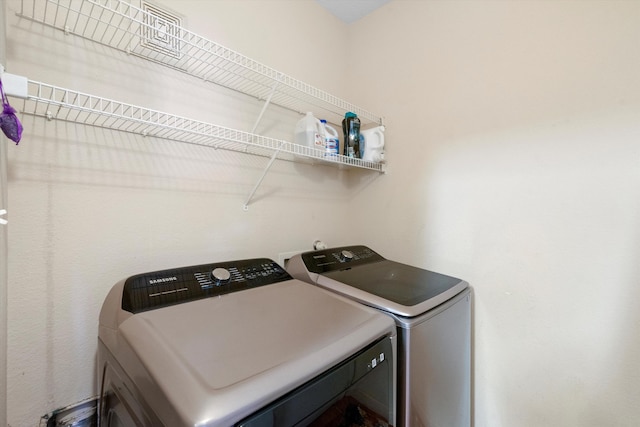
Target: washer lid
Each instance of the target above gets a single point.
(362, 274)
(216, 360)
(394, 287)
(398, 283)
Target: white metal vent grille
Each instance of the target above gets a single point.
(161, 30)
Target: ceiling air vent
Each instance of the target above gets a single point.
(161, 30)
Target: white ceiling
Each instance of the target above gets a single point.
(351, 10)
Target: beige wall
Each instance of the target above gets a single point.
(513, 147)
(3, 243)
(91, 206)
(512, 131)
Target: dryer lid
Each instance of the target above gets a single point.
(217, 360)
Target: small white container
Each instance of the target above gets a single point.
(372, 144)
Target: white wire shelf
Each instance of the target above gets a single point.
(122, 26)
(68, 105)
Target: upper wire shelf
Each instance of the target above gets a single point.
(59, 103)
(122, 26)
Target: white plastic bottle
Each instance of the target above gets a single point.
(372, 144)
(310, 132)
(331, 141)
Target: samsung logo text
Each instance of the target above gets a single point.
(162, 280)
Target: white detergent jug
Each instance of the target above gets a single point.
(372, 144)
(310, 132)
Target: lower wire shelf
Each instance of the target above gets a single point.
(56, 103)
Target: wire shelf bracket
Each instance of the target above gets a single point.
(264, 174)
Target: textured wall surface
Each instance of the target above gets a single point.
(512, 132)
(514, 164)
(92, 206)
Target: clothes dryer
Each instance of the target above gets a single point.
(432, 313)
(241, 343)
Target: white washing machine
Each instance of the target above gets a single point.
(433, 317)
(241, 343)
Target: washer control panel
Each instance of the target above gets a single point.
(342, 258)
(159, 289)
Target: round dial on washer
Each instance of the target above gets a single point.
(220, 276)
(346, 255)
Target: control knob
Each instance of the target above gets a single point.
(220, 276)
(346, 256)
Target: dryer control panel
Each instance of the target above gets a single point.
(158, 289)
(334, 259)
